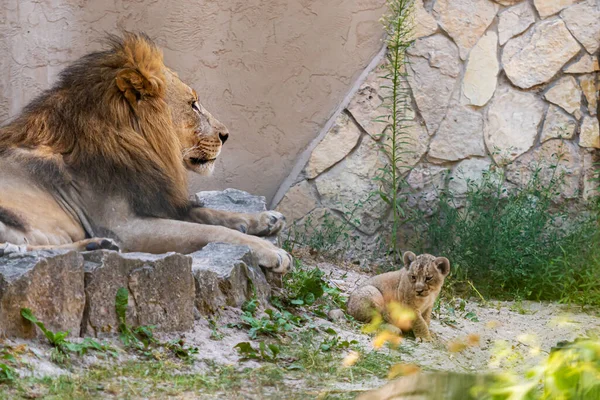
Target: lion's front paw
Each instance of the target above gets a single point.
(274, 259)
(101, 244)
(268, 223)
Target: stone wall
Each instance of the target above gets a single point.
(272, 70)
(493, 83)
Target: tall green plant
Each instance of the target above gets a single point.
(398, 26)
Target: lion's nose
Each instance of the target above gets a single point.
(223, 137)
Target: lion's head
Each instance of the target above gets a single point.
(425, 273)
(202, 136)
(123, 122)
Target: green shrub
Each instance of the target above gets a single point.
(520, 243)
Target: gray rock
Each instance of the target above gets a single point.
(583, 20)
(227, 275)
(465, 20)
(554, 159)
(515, 20)
(460, 135)
(537, 55)
(231, 200)
(161, 290)
(50, 283)
(558, 124)
(512, 123)
(434, 69)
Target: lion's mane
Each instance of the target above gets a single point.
(106, 123)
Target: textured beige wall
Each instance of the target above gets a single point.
(272, 70)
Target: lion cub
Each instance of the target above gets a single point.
(415, 286)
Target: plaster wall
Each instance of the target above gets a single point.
(273, 71)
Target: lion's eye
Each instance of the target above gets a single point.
(429, 278)
(196, 106)
(414, 278)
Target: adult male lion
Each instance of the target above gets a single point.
(100, 160)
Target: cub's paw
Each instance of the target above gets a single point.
(101, 244)
(9, 248)
(268, 223)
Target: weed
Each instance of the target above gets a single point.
(394, 138)
(265, 352)
(330, 235)
(307, 287)
(141, 338)
(63, 346)
(274, 323)
(520, 243)
(334, 342)
(215, 333)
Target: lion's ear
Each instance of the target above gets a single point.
(443, 265)
(136, 85)
(409, 257)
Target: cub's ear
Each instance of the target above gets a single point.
(443, 265)
(409, 257)
(136, 85)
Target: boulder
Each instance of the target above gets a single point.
(536, 56)
(297, 202)
(585, 64)
(590, 86)
(232, 200)
(161, 290)
(515, 20)
(555, 159)
(558, 124)
(589, 134)
(339, 141)
(583, 20)
(465, 20)
(549, 7)
(348, 186)
(434, 69)
(460, 135)
(227, 275)
(512, 123)
(50, 283)
(424, 23)
(468, 172)
(479, 82)
(566, 94)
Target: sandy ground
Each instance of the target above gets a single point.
(526, 330)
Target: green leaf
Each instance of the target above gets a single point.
(121, 301)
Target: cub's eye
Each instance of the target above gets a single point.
(429, 278)
(196, 106)
(414, 278)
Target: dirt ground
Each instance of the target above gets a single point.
(467, 335)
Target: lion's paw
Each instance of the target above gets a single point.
(101, 244)
(269, 223)
(275, 259)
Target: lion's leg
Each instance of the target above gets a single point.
(427, 315)
(420, 328)
(154, 235)
(364, 302)
(81, 245)
(265, 223)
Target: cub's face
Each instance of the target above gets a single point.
(201, 135)
(425, 273)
